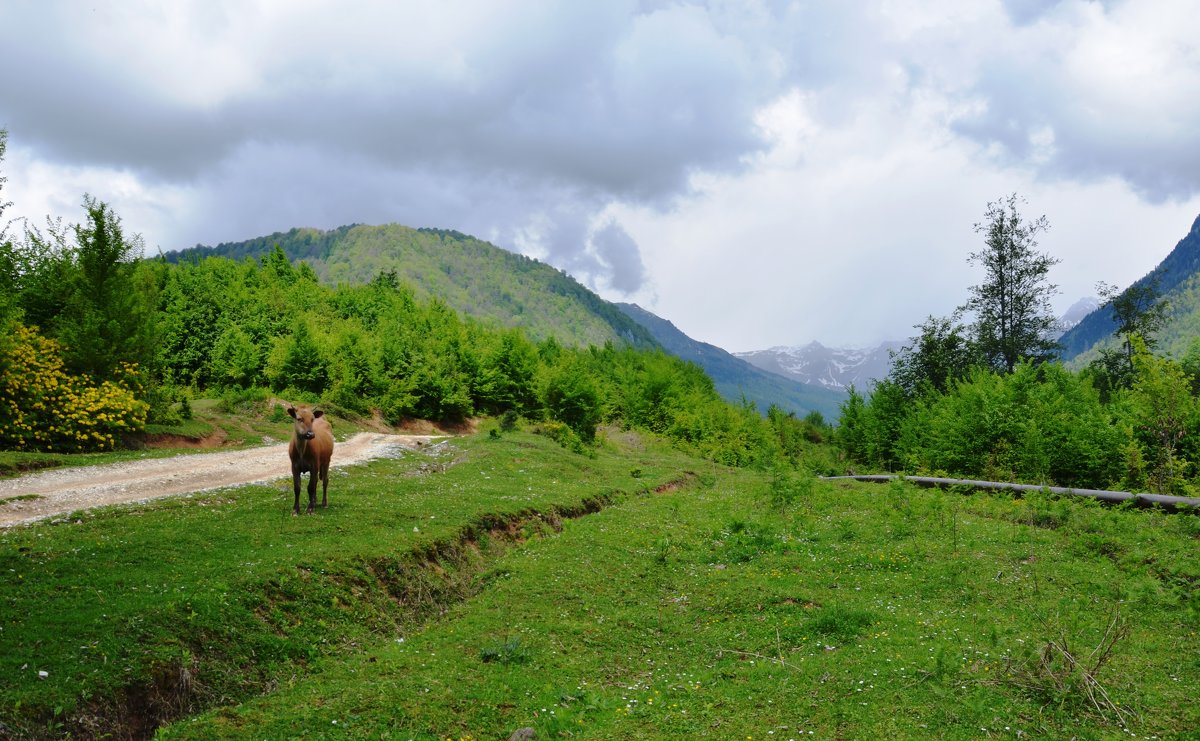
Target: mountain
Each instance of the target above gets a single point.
(1175, 276)
(494, 285)
(1077, 313)
(735, 378)
(471, 276)
(839, 368)
(828, 367)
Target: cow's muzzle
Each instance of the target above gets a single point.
(309, 435)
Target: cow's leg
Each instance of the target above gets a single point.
(296, 486)
(313, 475)
(325, 485)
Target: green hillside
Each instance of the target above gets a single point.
(1178, 335)
(510, 290)
(1176, 277)
(469, 275)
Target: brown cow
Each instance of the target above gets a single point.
(310, 449)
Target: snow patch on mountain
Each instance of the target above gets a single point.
(830, 367)
(1076, 313)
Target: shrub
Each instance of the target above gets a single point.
(571, 397)
(44, 408)
(564, 436)
(508, 651)
(788, 488)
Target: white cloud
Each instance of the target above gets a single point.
(759, 173)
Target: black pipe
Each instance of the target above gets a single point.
(1166, 501)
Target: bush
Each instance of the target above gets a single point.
(788, 488)
(564, 436)
(238, 400)
(571, 397)
(44, 408)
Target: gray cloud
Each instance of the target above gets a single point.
(602, 103)
(553, 127)
(1070, 103)
(617, 251)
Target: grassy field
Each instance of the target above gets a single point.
(501, 584)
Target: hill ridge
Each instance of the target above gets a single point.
(473, 276)
(1173, 274)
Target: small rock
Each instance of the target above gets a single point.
(523, 734)
(43, 675)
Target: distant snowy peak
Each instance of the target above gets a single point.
(838, 368)
(1077, 312)
(830, 367)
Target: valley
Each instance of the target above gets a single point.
(635, 593)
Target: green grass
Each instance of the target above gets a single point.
(529, 587)
(183, 602)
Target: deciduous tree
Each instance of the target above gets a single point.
(939, 355)
(1013, 316)
(1138, 311)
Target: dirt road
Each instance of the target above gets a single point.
(60, 491)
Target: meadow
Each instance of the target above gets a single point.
(502, 582)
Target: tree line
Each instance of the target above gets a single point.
(988, 398)
(99, 342)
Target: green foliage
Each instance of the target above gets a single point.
(566, 437)
(474, 277)
(1041, 424)
(1139, 312)
(1013, 317)
(106, 317)
(43, 407)
(508, 651)
(851, 433)
(1164, 412)
(572, 397)
(299, 363)
(940, 355)
(789, 488)
(509, 376)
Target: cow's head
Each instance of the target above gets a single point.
(304, 421)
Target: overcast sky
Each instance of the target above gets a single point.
(759, 173)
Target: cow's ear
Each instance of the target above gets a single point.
(292, 412)
(317, 413)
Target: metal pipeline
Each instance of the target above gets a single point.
(1166, 501)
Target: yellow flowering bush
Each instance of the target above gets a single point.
(42, 407)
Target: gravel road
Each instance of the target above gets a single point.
(63, 490)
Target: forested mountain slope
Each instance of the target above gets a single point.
(735, 378)
(469, 275)
(1176, 276)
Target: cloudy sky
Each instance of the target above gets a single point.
(760, 173)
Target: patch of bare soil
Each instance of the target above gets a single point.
(425, 427)
(166, 440)
(61, 491)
